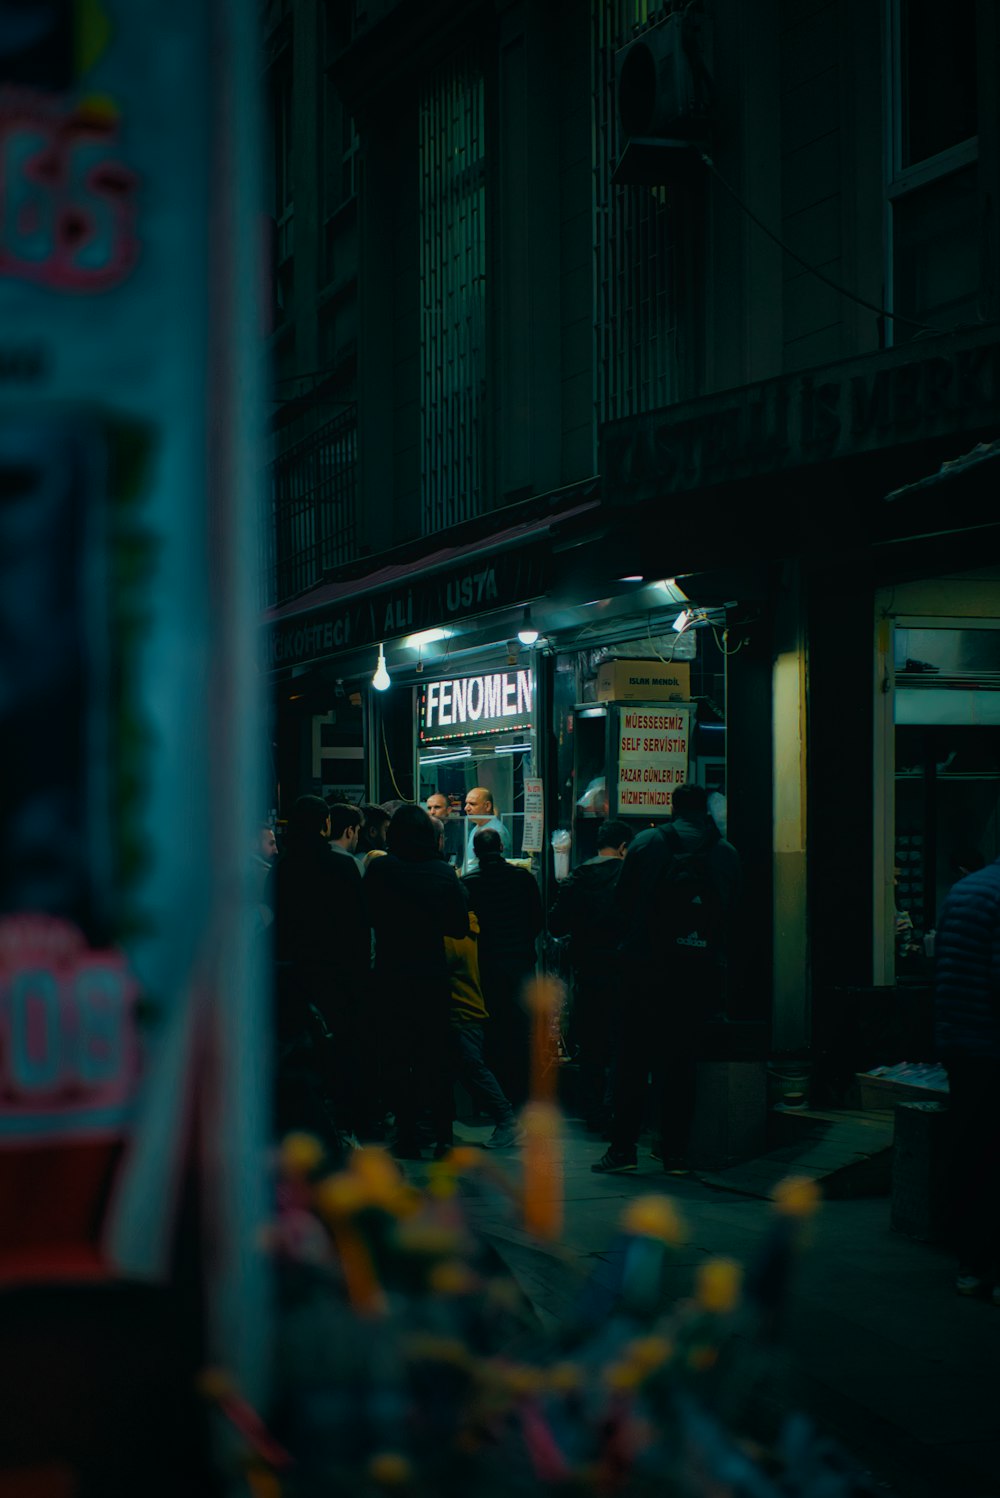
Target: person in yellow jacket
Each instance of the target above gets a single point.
(468, 1026)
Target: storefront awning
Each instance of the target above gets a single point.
(981, 466)
(439, 587)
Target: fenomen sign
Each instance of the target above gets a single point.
(462, 706)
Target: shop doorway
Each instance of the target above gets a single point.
(942, 787)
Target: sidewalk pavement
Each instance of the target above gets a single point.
(882, 1353)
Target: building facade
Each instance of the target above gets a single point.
(599, 309)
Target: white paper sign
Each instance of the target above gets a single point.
(653, 746)
(534, 816)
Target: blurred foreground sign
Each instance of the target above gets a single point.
(128, 341)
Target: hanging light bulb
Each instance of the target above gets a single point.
(527, 634)
(380, 681)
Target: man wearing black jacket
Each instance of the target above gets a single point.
(322, 948)
(509, 909)
(585, 912)
(675, 901)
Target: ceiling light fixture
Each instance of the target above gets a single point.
(527, 634)
(426, 637)
(380, 681)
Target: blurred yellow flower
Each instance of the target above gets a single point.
(340, 1196)
(565, 1377)
(520, 1378)
(300, 1154)
(649, 1352)
(797, 1196)
(452, 1277)
(717, 1285)
(390, 1469)
(465, 1157)
(655, 1217)
(377, 1169)
(622, 1376)
(424, 1236)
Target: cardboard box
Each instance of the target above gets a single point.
(881, 1093)
(643, 681)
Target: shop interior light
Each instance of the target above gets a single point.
(426, 637)
(512, 749)
(380, 681)
(527, 634)
(673, 590)
(633, 577)
(442, 759)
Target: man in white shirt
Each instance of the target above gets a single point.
(481, 812)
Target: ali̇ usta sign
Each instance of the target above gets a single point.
(461, 706)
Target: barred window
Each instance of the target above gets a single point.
(635, 321)
(313, 504)
(452, 145)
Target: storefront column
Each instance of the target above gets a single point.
(790, 1022)
(884, 797)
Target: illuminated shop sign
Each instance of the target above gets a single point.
(461, 706)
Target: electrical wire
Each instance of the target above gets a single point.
(911, 322)
(721, 642)
(649, 640)
(388, 761)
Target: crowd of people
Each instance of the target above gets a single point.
(395, 978)
(403, 939)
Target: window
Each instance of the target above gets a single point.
(340, 136)
(313, 503)
(635, 323)
(282, 177)
(452, 145)
(934, 264)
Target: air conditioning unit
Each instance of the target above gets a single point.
(663, 79)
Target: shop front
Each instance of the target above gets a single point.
(480, 730)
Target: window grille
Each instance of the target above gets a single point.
(933, 214)
(312, 499)
(452, 145)
(284, 159)
(635, 311)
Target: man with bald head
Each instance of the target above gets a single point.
(482, 816)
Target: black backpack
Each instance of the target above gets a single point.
(684, 908)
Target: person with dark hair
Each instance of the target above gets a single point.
(346, 824)
(321, 949)
(469, 1023)
(675, 901)
(967, 1032)
(414, 901)
(585, 912)
(262, 855)
(373, 834)
(508, 907)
